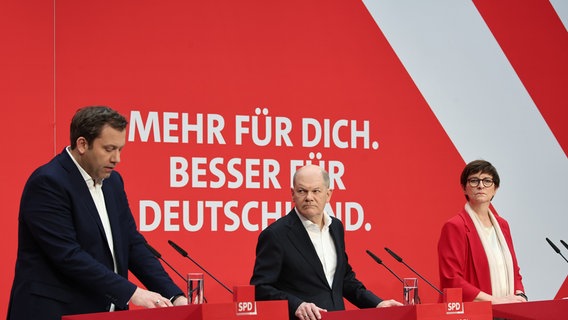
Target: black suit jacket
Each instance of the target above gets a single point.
(64, 265)
(287, 267)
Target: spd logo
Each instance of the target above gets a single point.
(246, 307)
(454, 308)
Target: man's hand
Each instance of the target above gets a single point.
(308, 311)
(389, 303)
(149, 299)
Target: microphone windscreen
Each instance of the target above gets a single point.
(394, 255)
(553, 246)
(178, 248)
(374, 257)
(564, 244)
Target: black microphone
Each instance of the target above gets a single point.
(184, 253)
(159, 256)
(379, 261)
(399, 259)
(564, 244)
(556, 248)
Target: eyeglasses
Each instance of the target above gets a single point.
(474, 182)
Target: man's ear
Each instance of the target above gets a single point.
(329, 194)
(82, 145)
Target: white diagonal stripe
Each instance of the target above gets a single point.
(476, 95)
(561, 8)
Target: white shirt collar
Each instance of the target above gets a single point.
(308, 224)
(88, 179)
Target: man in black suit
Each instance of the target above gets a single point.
(77, 238)
(301, 257)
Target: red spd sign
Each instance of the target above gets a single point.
(454, 308)
(246, 308)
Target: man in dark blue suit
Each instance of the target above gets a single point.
(301, 257)
(77, 238)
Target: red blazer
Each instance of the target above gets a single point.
(462, 260)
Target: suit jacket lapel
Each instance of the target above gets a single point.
(113, 216)
(78, 184)
(336, 235)
(301, 240)
(83, 193)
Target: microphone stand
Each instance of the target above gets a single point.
(379, 261)
(184, 253)
(399, 259)
(159, 256)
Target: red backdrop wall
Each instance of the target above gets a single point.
(225, 100)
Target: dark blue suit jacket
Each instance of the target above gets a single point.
(287, 267)
(64, 265)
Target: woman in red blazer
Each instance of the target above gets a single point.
(475, 250)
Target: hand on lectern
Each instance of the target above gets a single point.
(149, 299)
(508, 299)
(308, 311)
(389, 303)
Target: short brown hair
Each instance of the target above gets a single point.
(88, 123)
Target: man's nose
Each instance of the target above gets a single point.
(115, 157)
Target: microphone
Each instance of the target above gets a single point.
(184, 253)
(564, 243)
(399, 259)
(556, 248)
(159, 256)
(379, 261)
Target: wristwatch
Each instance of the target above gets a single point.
(174, 298)
(522, 294)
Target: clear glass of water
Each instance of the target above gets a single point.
(410, 291)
